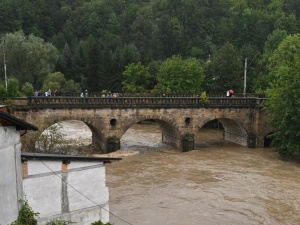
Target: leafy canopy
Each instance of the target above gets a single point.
(177, 75)
(136, 78)
(283, 105)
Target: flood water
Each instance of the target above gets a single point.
(218, 183)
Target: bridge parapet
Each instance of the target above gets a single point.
(135, 102)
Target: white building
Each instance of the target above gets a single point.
(62, 187)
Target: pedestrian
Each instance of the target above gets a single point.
(81, 95)
(49, 92)
(36, 93)
(46, 93)
(86, 93)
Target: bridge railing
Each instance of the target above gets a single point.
(129, 95)
(135, 102)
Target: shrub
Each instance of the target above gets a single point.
(26, 215)
(100, 223)
(13, 87)
(27, 89)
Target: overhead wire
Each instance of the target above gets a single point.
(83, 194)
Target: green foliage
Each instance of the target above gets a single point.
(100, 223)
(70, 86)
(178, 76)
(137, 79)
(3, 92)
(13, 87)
(28, 58)
(53, 82)
(204, 99)
(283, 96)
(93, 41)
(27, 89)
(271, 44)
(26, 215)
(225, 71)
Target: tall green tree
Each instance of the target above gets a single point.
(262, 81)
(283, 105)
(177, 75)
(28, 58)
(136, 79)
(225, 71)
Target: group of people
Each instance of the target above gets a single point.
(85, 94)
(49, 93)
(109, 95)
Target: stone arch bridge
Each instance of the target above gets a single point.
(179, 118)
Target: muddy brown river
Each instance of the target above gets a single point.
(218, 183)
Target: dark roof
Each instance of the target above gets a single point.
(41, 156)
(20, 124)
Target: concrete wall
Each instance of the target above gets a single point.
(80, 199)
(10, 174)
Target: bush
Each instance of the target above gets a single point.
(26, 215)
(3, 92)
(13, 88)
(27, 89)
(100, 223)
(50, 142)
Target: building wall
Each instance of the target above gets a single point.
(10, 174)
(80, 199)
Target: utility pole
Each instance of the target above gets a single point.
(4, 62)
(245, 77)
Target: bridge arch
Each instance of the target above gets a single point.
(170, 130)
(234, 130)
(95, 124)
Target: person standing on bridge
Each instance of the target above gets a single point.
(230, 93)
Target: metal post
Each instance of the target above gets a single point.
(245, 77)
(4, 62)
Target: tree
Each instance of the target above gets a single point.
(29, 58)
(137, 78)
(13, 87)
(70, 86)
(27, 89)
(177, 75)
(225, 71)
(283, 105)
(54, 81)
(274, 39)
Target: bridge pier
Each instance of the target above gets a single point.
(188, 142)
(113, 144)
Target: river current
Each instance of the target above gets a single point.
(218, 183)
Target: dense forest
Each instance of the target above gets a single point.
(93, 42)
